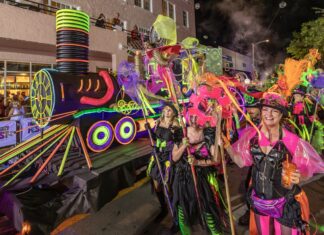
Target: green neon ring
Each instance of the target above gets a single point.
(71, 18)
(66, 11)
(60, 25)
(85, 22)
(76, 16)
(73, 26)
(73, 23)
(95, 134)
(122, 128)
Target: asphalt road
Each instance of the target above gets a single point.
(135, 212)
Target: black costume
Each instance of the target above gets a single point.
(184, 197)
(266, 184)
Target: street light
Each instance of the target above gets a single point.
(253, 49)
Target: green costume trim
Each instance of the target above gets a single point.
(213, 182)
(167, 165)
(184, 228)
(161, 144)
(150, 165)
(210, 221)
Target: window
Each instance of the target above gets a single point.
(37, 67)
(164, 7)
(244, 65)
(16, 76)
(16, 66)
(185, 17)
(145, 4)
(2, 66)
(168, 9)
(60, 5)
(138, 3)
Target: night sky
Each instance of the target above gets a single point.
(235, 24)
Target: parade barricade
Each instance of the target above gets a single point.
(8, 133)
(29, 129)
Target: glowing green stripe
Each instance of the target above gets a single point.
(32, 161)
(152, 116)
(31, 144)
(27, 142)
(66, 153)
(69, 11)
(77, 23)
(73, 26)
(72, 21)
(107, 110)
(74, 16)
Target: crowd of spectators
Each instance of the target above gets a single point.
(14, 107)
(113, 24)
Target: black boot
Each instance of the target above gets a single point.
(164, 208)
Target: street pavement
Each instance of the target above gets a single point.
(135, 212)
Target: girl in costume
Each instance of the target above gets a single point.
(279, 160)
(164, 130)
(202, 157)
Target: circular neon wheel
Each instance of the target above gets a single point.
(100, 136)
(42, 97)
(125, 130)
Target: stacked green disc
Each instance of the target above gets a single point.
(72, 41)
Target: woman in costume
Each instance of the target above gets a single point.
(202, 157)
(279, 160)
(164, 130)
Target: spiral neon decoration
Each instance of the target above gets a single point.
(100, 136)
(125, 130)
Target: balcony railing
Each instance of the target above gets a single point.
(50, 10)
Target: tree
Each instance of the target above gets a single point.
(310, 36)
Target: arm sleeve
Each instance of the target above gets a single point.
(306, 158)
(242, 146)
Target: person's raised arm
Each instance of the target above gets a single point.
(232, 153)
(178, 150)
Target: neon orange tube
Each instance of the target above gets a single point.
(84, 148)
(50, 156)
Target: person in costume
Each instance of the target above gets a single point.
(252, 108)
(164, 131)
(279, 160)
(253, 112)
(301, 112)
(201, 146)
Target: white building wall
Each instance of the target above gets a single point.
(32, 34)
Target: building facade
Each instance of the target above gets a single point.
(234, 62)
(28, 36)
